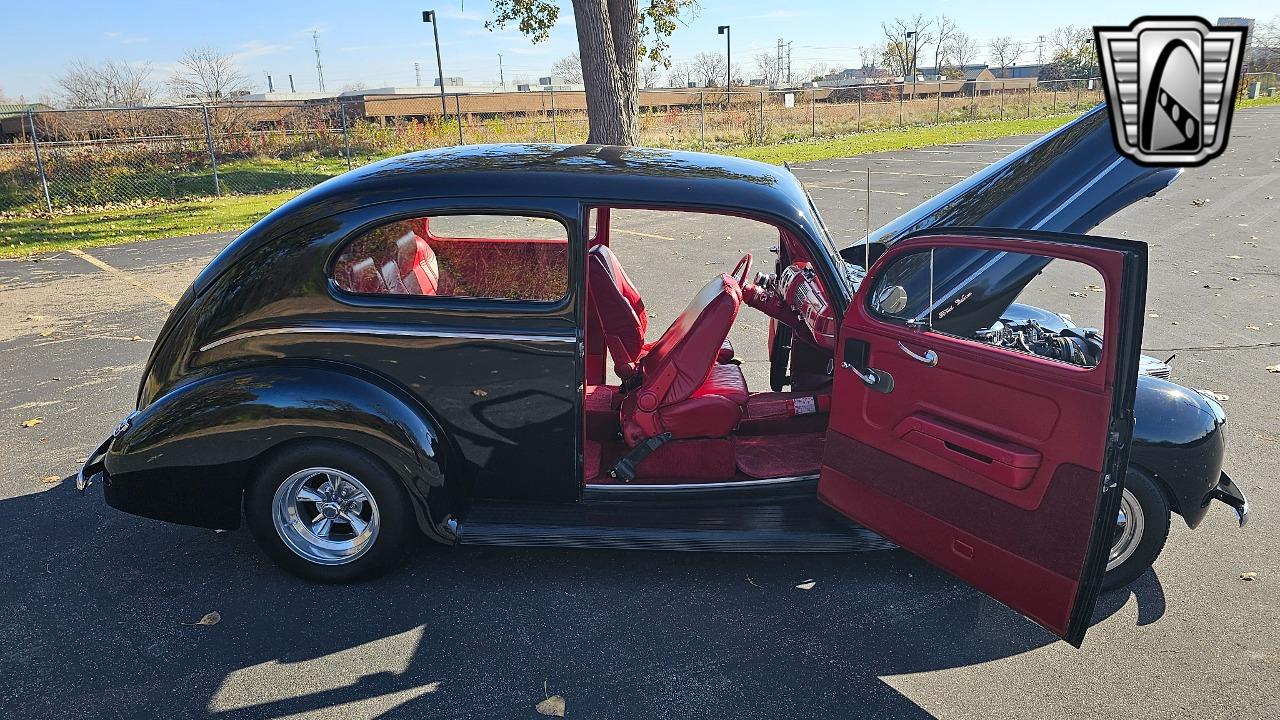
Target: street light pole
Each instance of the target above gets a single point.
(429, 16)
(912, 64)
(728, 63)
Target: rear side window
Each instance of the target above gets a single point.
(508, 257)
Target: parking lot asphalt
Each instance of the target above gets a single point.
(97, 608)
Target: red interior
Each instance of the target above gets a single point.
(683, 384)
(404, 258)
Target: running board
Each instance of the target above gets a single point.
(795, 526)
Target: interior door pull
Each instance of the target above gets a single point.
(929, 357)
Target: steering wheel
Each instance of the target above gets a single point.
(742, 270)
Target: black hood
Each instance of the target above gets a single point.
(1067, 181)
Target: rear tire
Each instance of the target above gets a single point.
(1140, 532)
(329, 512)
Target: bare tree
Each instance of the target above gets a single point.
(613, 36)
(1265, 46)
(569, 68)
(209, 75)
(1005, 51)
(962, 50)
(708, 68)
(768, 68)
(110, 84)
(946, 30)
(870, 57)
(819, 70)
(4, 98)
(900, 52)
(681, 74)
(650, 75)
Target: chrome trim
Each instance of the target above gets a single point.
(338, 330)
(929, 357)
(1083, 189)
(702, 486)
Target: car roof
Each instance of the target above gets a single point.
(595, 172)
(622, 176)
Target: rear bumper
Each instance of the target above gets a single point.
(1228, 492)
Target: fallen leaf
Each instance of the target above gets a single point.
(1077, 293)
(1249, 576)
(479, 393)
(135, 338)
(552, 706)
(50, 479)
(1200, 202)
(1252, 327)
(1234, 257)
(807, 585)
(32, 422)
(1220, 397)
(212, 618)
(1153, 315)
(1273, 368)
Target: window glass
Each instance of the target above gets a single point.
(475, 256)
(1048, 307)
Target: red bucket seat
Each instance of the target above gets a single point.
(616, 317)
(683, 391)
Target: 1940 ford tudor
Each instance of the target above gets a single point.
(446, 343)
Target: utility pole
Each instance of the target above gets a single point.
(417, 74)
(502, 79)
(270, 87)
(1040, 50)
(789, 62)
(291, 88)
(315, 42)
(777, 65)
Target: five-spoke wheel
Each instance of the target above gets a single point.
(329, 512)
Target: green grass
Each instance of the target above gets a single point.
(21, 236)
(1260, 102)
(905, 139)
(27, 235)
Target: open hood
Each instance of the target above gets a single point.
(1067, 181)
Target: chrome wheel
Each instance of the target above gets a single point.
(325, 516)
(1128, 531)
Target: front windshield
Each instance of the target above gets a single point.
(828, 243)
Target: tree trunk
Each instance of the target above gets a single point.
(608, 42)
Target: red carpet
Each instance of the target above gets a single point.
(773, 456)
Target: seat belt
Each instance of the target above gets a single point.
(625, 469)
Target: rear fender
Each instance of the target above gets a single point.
(189, 455)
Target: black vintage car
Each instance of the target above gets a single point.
(445, 344)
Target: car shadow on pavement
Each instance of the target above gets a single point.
(105, 607)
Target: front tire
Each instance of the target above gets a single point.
(1142, 526)
(329, 512)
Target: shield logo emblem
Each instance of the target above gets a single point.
(1170, 84)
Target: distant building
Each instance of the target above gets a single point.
(13, 120)
(1017, 71)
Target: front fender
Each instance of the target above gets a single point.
(1179, 436)
(188, 456)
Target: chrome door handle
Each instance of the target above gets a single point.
(929, 358)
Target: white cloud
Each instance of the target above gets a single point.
(257, 48)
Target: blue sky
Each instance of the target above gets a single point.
(377, 42)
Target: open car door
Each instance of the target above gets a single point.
(995, 453)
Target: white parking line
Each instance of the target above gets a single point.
(121, 274)
(854, 189)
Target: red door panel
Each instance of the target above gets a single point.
(991, 463)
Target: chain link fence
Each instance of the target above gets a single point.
(71, 159)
